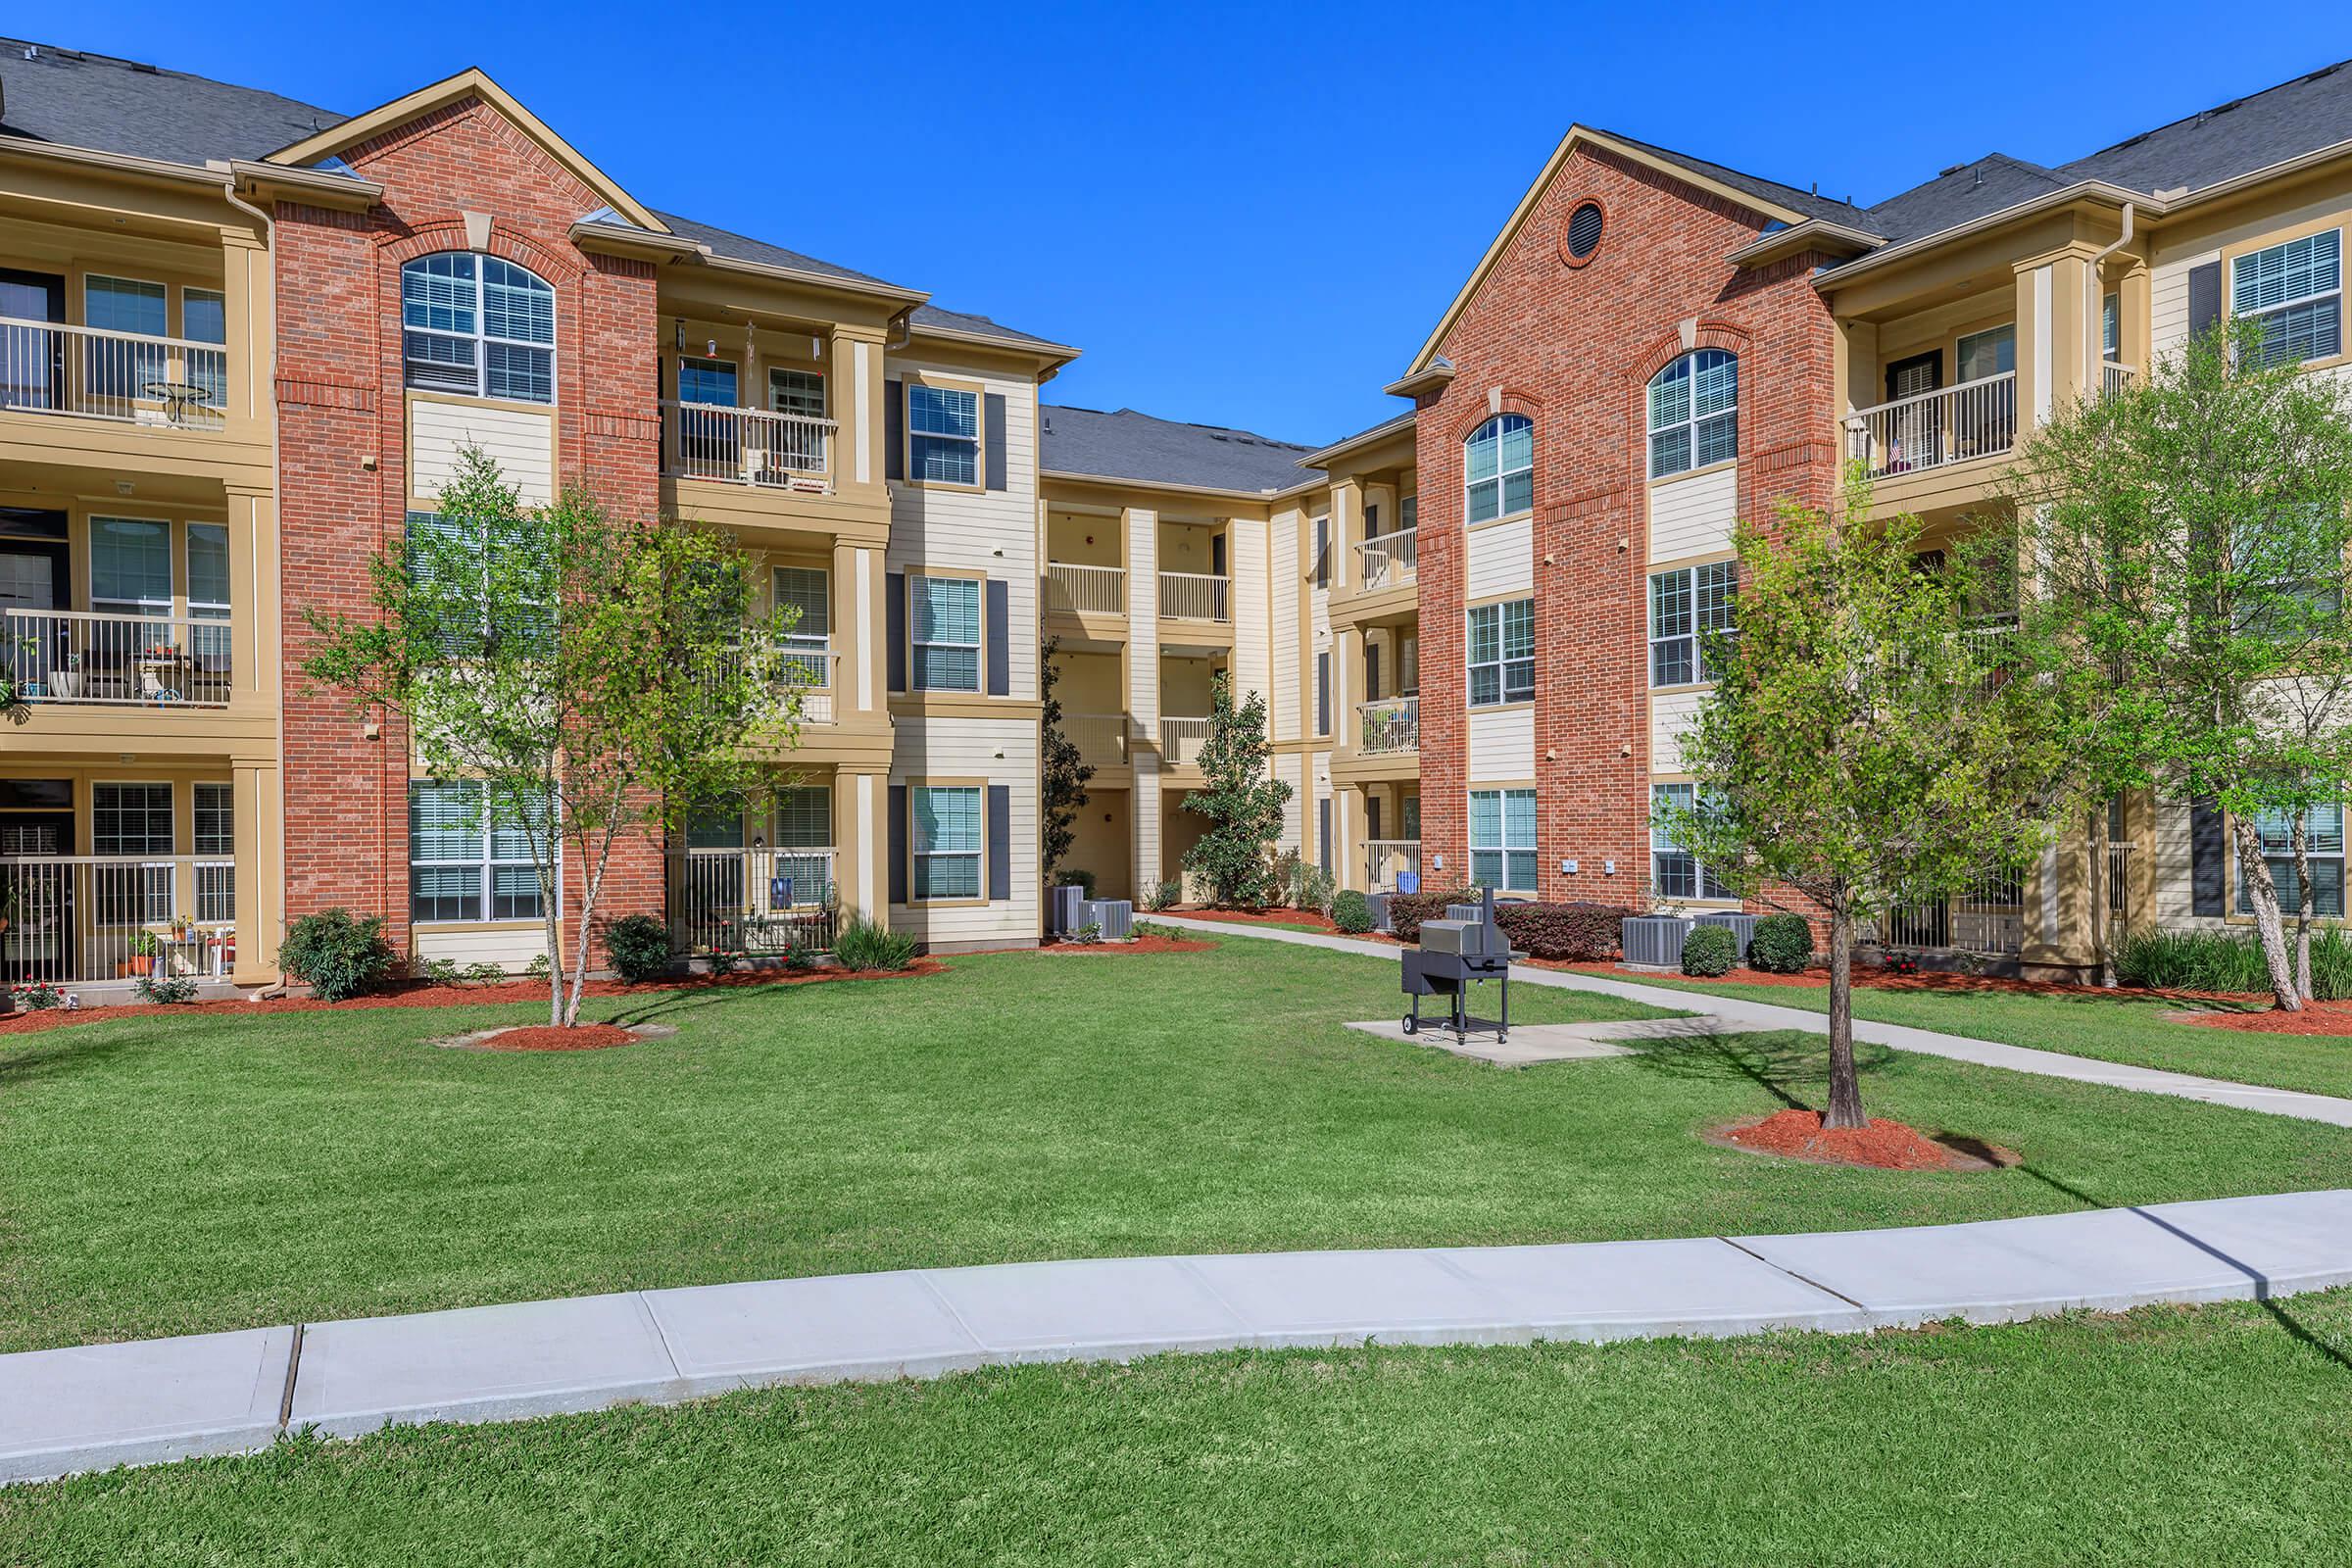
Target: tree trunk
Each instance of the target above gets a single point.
(2303, 904)
(1845, 1085)
(2263, 894)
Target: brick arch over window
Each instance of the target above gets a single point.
(508, 245)
(1667, 347)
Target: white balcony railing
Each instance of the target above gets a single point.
(78, 657)
(747, 445)
(77, 920)
(1387, 859)
(1195, 596)
(1931, 429)
(814, 671)
(1085, 590)
(1390, 725)
(1100, 738)
(2115, 375)
(760, 900)
(1390, 560)
(1988, 919)
(1181, 741)
(92, 374)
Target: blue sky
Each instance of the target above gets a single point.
(1245, 214)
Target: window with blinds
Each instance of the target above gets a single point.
(480, 326)
(1503, 839)
(1684, 604)
(1499, 469)
(1694, 413)
(943, 435)
(944, 632)
(947, 840)
(1674, 873)
(465, 864)
(2295, 293)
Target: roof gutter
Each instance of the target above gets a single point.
(1215, 491)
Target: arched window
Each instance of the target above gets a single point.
(1694, 413)
(477, 324)
(1498, 467)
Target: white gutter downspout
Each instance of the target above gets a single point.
(2095, 358)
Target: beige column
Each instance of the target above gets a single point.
(255, 633)
(249, 320)
(860, 670)
(1346, 532)
(1139, 527)
(861, 843)
(259, 800)
(1346, 689)
(855, 400)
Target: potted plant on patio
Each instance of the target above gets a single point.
(65, 682)
(142, 952)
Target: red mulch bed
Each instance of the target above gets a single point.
(1926, 980)
(1882, 1146)
(2315, 1018)
(1314, 918)
(1139, 945)
(547, 1037)
(433, 995)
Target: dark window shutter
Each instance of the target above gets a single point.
(1322, 694)
(1322, 552)
(1323, 830)
(999, 842)
(1372, 817)
(2204, 297)
(992, 434)
(898, 844)
(894, 628)
(1372, 522)
(2208, 858)
(999, 637)
(894, 428)
(1371, 672)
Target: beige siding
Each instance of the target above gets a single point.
(1282, 583)
(997, 752)
(1500, 558)
(2176, 897)
(521, 441)
(1669, 716)
(510, 946)
(1502, 744)
(2168, 299)
(1693, 516)
(1252, 652)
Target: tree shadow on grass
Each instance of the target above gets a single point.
(1778, 1064)
(54, 1052)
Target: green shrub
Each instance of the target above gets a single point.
(870, 944)
(1163, 896)
(435, 971)
(1076, 877)
(164, 989)
(538, 968)
(1407, 911)
(1578, 932)
(724, 960)
(1086, 936)
(1145, 930)
(639, 947)
(1710, 950)
(36, 996)
(1782, 944)
(1350, 912)
(1312, 888)
(336, 953)
(2194, 961)
(486, 973)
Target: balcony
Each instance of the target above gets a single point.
(79, 659)
(761, 902)
(87, 372)
(84, 920)
(1100, 738)
(1075, 590)
(1389, 560)
(810, 671)
(1389, 726)
(1392, 866)
(748, 447)
(1182, 740)
(1934, 430)
(1196, 596)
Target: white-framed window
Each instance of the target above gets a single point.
(130, 567)
(208, 595)
(801, 392)
(1684, 603)
(2111, 326)
(947, 835)
(204, 318)
(2323, 846)
(538, 590)
(2296, 291)
(1503, 839)
(943, 435)
(1502, 651)
(132, 821)
(479, 326)
(1982, 356)
(215, 842)
(1694, 413)
(944, 627)
(1499, 469)
(1674, 873)
(809, 590)
(113, 367)
(465, 864)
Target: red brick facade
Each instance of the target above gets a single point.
(1573, 349)
(343, 454)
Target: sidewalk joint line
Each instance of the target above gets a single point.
(285, 1396)
(1794, 1275)
(923, 1277)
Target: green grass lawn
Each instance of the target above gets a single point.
(2212, 1434)
(2124, 1028)
(171, 1173)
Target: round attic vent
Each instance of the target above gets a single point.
(1583, 234)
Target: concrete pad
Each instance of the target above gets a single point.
(1597, 1290)
(2001, 1271)
(1110, 1306)
(859, 1327)
(1399, 1298)
(96, 1406)
(2292, 1242)
(1528, 1045)
(482, 1363)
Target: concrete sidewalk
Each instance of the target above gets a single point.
(100, 1405)
(1744, 1013)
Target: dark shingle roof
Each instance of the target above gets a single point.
(1957, 195)
(2235, 138)
(1812, 204)
(119, 106)
(744, 248)
(1127, 445)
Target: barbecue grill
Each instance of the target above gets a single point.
(1467, 947)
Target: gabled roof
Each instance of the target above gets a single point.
(1775, 202)
(1126, 445)
(2311, 112)
(76, 99)
(1394, 424)
(471, 82)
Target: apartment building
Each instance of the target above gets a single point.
(241, 340)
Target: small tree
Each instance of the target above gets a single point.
(1241, 797)
(2191, 534)
(1065, 771)
(1866, 743)
(593, 672)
